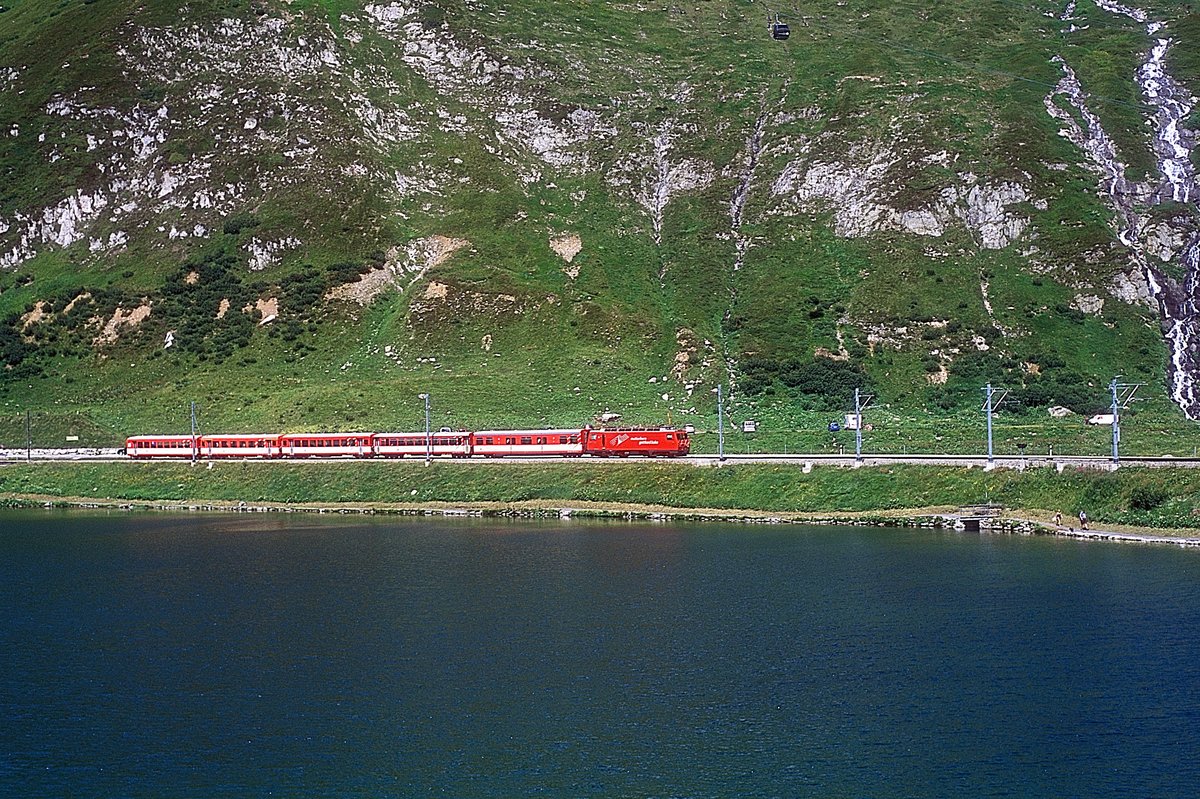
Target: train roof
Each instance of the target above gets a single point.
(163, 437)
(559, 431)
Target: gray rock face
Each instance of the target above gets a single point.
(1131, 287)
(984, 209)
(857, 190)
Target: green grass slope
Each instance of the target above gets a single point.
(560, 209)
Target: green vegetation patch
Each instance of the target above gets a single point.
(1167, 498)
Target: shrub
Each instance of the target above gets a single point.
(236, 223)
(1147, 497)
(828, 383)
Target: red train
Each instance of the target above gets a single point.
(568, 443)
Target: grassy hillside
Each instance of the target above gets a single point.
(1144, 497)
(566, 208)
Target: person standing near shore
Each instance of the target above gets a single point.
(1083, 520)
(1058, 518)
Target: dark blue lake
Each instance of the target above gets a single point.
(238, 655)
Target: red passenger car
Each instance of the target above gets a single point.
(160, 446)
(504, 443)
(416, 445)
(622, 442)
(326, 445)
(254, 445)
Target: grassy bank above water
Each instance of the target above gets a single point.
(1161, 498)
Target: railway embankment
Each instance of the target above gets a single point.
(1127, 502)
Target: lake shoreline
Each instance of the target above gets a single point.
(1012, 522)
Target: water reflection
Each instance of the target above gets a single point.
(233, 654)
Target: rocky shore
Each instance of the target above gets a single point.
(1010, 523)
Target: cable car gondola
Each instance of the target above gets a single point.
(779, 30)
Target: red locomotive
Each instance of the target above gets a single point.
(568, 443)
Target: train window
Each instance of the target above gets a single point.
(670, 437)
(526, 440)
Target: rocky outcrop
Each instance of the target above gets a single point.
(666, 178)
(403, 267)
(858, 190)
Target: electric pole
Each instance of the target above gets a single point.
(195, 443)
(989, 407)
(861, 403)
(1122, 396)
(720, 424)
(428, 440)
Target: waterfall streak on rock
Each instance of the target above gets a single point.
(1177, 300)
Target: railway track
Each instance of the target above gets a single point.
(803, 460)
